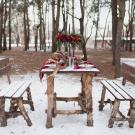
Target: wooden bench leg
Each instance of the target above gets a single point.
(114, 113)
(23, 111)
(13, 107)
(87, 80)
(3, 119)
(101, 104)
(128, 114)
(30, 99)
(132, 114)
(124, 81)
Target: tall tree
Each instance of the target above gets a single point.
(4, 27)
(1, 23)
(73, 19)
(44, 24)
(131, 19)
(97, 7)
(55, 22)
(114, 27)
(9, 24)
(82, 7)
(25, 10)
(120, 17)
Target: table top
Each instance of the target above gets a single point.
(82, 68)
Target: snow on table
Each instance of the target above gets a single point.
(82, 68)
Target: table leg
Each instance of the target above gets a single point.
(50, 94)
(82, 95)
(87, 81)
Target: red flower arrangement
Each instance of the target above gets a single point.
(65, 38)
(69, 39)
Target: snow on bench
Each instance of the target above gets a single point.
(15, 92)
(120, 93)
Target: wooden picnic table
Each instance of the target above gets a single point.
(84, 99)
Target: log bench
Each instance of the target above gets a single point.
(120, 93)
(14, 92)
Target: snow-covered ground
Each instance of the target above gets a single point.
(65, 85)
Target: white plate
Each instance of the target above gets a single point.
(86, 65)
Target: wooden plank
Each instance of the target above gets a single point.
(124, 89)
(7, 89)
(14, 89)
(128, 68)
(119, 89)
(21, 90)
(67, 99)
(112, 90)
(69, 112)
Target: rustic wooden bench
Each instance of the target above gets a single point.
(15, 94)
(120, 93)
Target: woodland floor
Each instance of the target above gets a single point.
(30, 61)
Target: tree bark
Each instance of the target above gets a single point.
(105, 28)
(1, 24)
(9, 25)
(4, 27)
(55, 23)
(44, 27)
(114, 28)
(82, 7)
(73, 22)
(121, 14)
(97, 23)
(25, 26)
(131, 17)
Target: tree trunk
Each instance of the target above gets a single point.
(66, 22)
(121, 15)
(1, 24)
(40, 29)
(28, 29)
(105, 28)
(82, 6)
(55, 23)
(131, 25)
(114, 28)
(4, 28)
(44, 27)
(73, 22)
(65, 9)
(25, 26)
(9, 25)
(97, 23)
